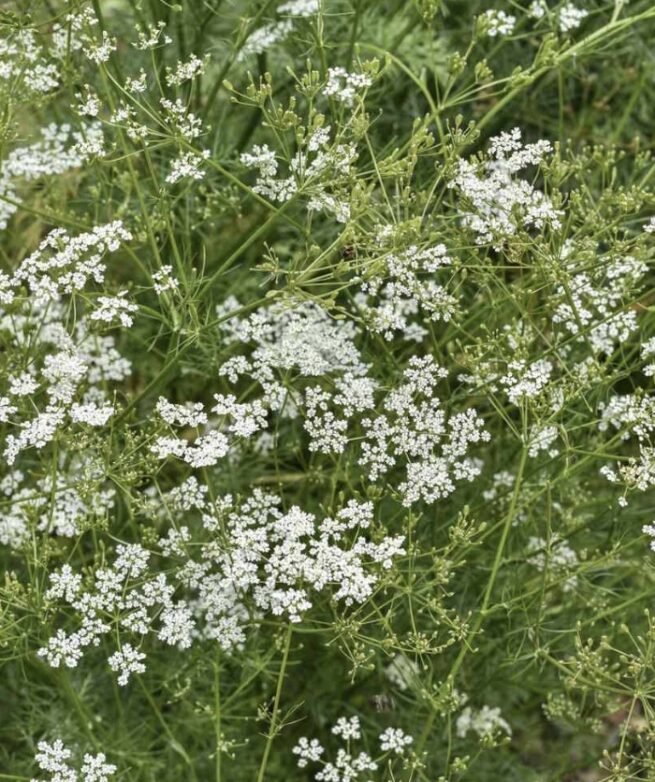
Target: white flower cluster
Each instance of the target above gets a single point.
(257, 560)
(538, 9)
(344, 86)
(128, 660)
(633, 415)
(263, 38)
(188, 414)
(113, 308)
(326, 428)
(520, 379)
(99, 51)
(182, 121)
(647, 353)
(69, 364)
(497, 23)
(152, 37)
(395, 740)
(402, 672)
(163, 280)
(63, 264)
(89, 103)
(121, 600)
(205, 450)
(306, 341)
(415, 430)
(591, 305)
(541, 438)
(568, 16)
(411, 431)
(318, 169)
(349, 767)
(525, 380)
(188, 165)
(55, 503)
(487, 722)
(263, 158)
(280, 559)
(238, 419)
(555, 556)
(302, 339)
(59, 150)
(26, 64)
(184, 71)
(300, 7)
(497, 204)
(54, 758)
(72, 32)
(404, 287)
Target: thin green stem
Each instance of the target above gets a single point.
(274, 728)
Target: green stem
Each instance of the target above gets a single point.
(217, 715)
(482, 613)
(276, 706)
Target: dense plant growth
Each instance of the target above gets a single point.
(327, 346)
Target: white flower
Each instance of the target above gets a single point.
(394, 740)
(89, 104)
(95, 769)
(300, 7)
(538, 9)
(307, 751)
(126, 662)
(485, 722)
(115, 307)
(344, 86)
(163, 280)
(262, 39)
(401, 672)
(348, 728)
(184, 71)
(22, 385)
(541, 439)
(501, 204)
(54, 759)
(91, 413)
(498, 23)
(570, 17)
(6, 409)
(189, 414)
(189, 164)
(64, 585)
(151, 36)
(100, 52)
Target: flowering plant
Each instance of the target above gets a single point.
(327, 423)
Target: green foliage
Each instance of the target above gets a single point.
(528, 586)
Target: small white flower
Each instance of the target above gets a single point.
(189, 164)
(571, 17)
(394, 740)
(115, 307)
(344, 86)
(184, 71)
(126, 662)
(348, 728)
(498, 23)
